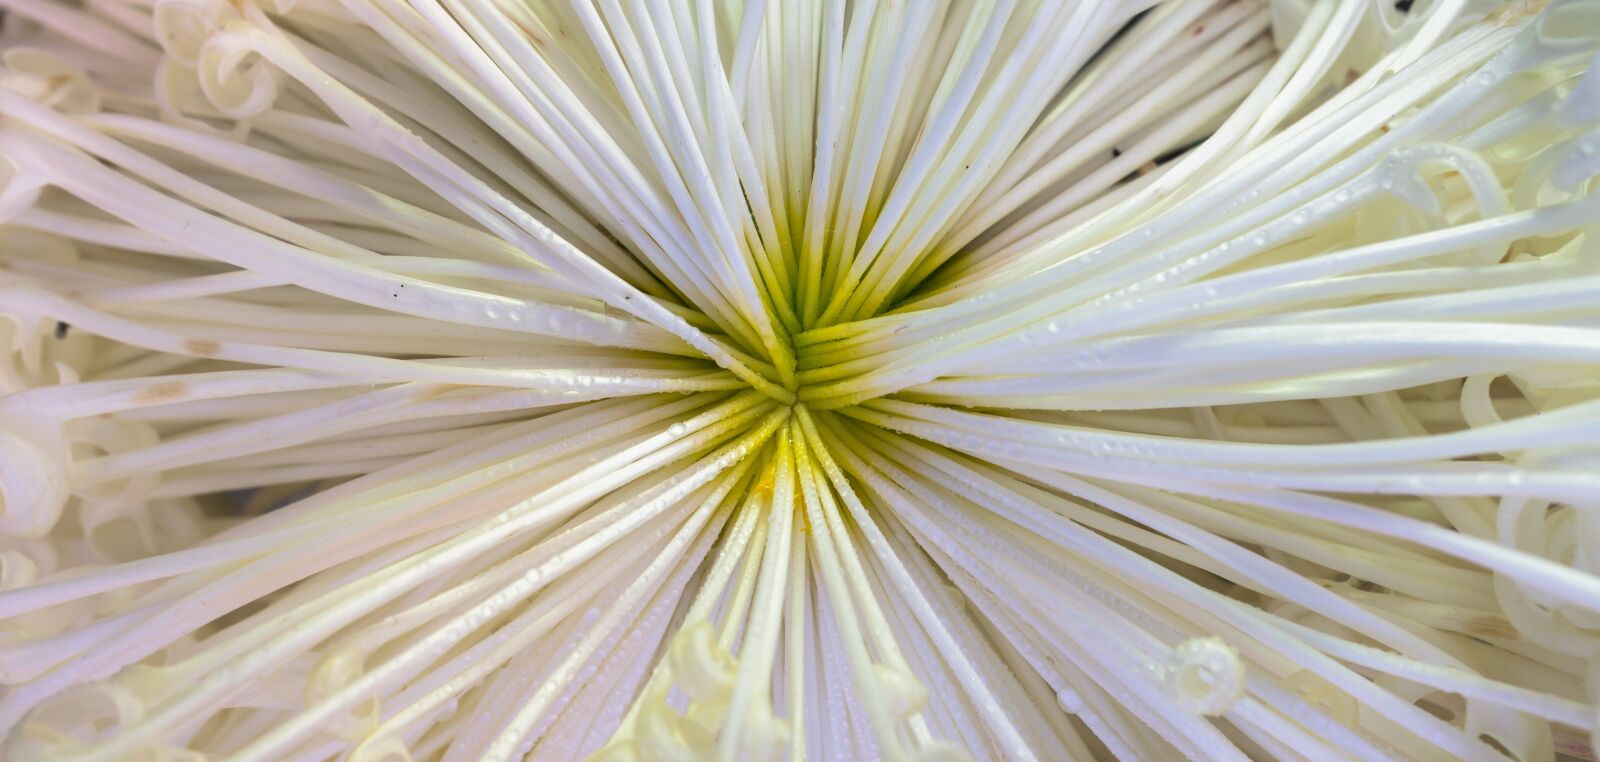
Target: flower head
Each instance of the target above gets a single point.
(638, 380)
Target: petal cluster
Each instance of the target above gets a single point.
(784, 379)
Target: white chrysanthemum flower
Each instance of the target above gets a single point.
(806, 379)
